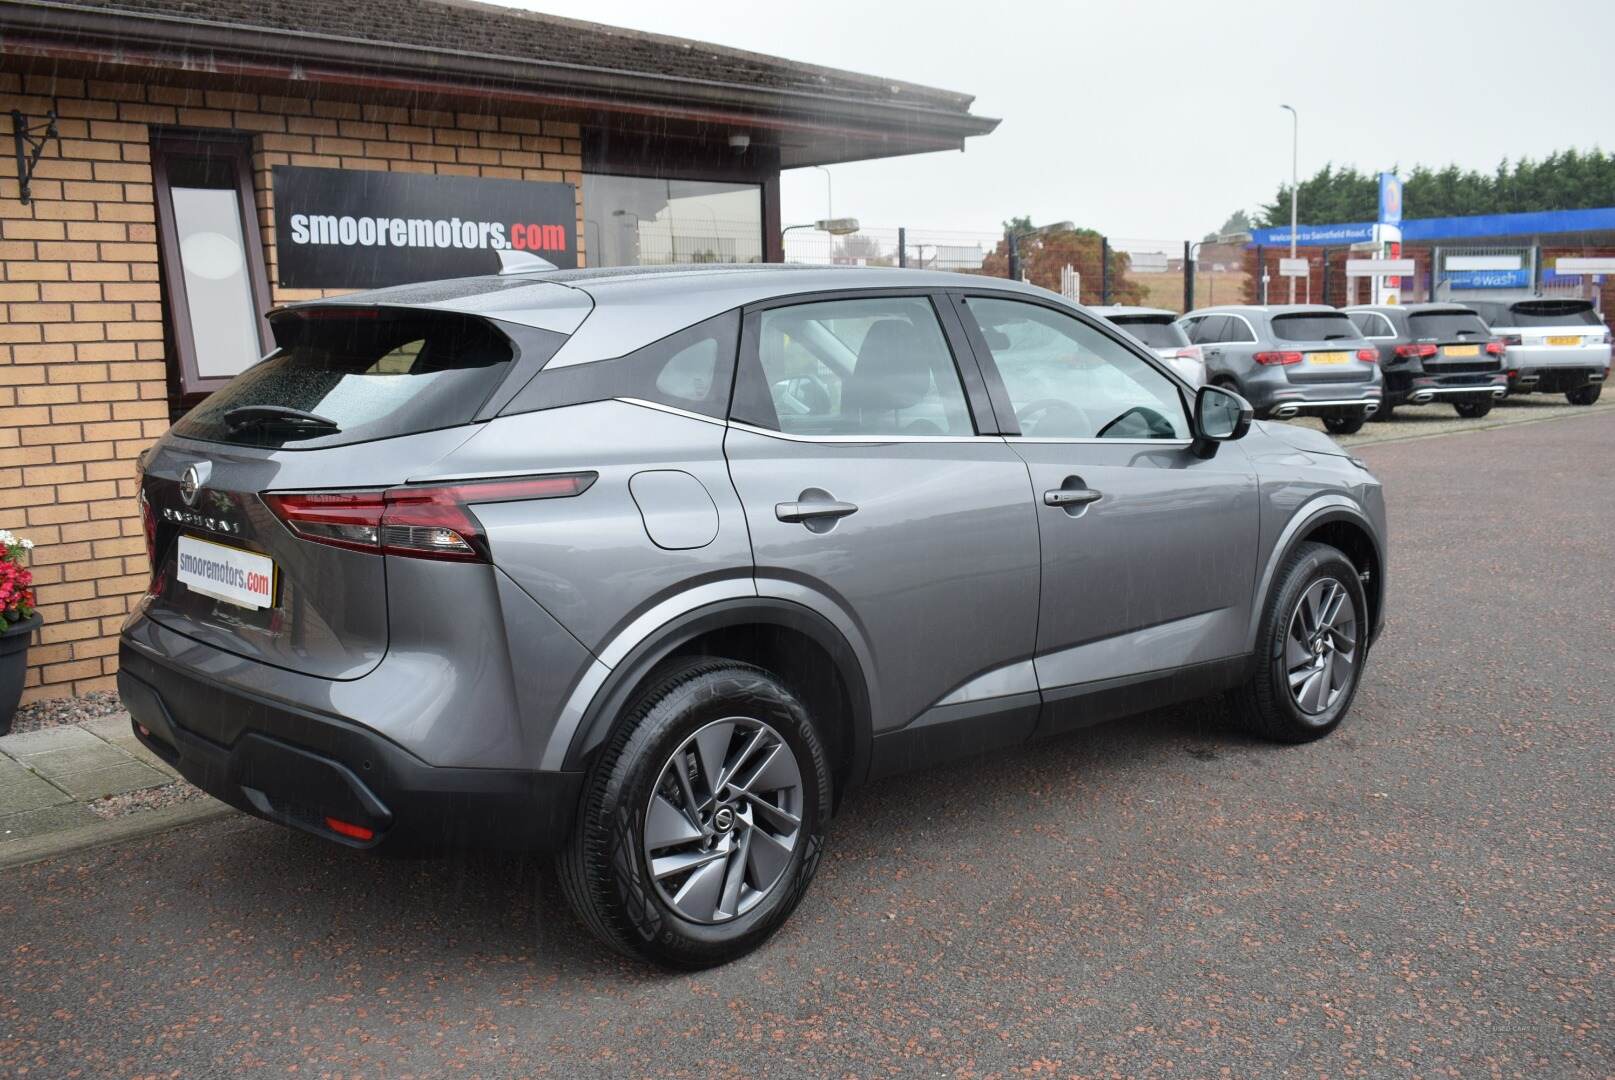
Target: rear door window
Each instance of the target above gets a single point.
(347, 375)
(1372, 324)
(879, 366)
(1209, 330)
(1314, 326)
(1444, 325)
(1237, 331)
(1158, 333)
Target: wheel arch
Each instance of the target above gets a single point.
(1339, 523)
(803, 648)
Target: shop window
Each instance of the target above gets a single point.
(213, 265)
(645, 221)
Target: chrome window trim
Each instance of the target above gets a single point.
(1167, 443)
(864, 440)
(671, 409)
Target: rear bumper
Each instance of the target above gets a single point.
(299, 769)
(1554, 380)
(1283, 408)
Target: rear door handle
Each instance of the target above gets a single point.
(1071, 497)
(807, 511)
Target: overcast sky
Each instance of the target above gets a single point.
(1156, 120)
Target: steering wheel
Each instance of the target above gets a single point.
(1043, 408)
(1159, 426)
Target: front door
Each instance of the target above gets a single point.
(1149, 551)
(870, 496)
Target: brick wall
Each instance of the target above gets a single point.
(83, 371)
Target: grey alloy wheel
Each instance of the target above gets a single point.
(723, 820)
(1320, 650)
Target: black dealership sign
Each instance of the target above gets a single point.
(347, 228)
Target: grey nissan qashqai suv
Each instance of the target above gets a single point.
(653, 567)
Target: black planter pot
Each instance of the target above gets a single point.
(14, 666)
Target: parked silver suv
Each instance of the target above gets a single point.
(655, 566)
(1291, 359)
(1551, 346)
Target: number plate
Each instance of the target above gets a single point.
(1329, 357)
(1461, 350)
(243, 578)
(1567, 339)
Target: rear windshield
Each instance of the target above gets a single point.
(356, 375)
(1156, 331)
(1313, 326)
(1550, 313)
(1442, 325)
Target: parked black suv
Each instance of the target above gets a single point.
(1434, 352)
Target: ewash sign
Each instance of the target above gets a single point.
(354, 229)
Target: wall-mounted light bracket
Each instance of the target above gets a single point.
(30, 142)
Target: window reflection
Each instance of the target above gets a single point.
(642, 221)
(218, 292)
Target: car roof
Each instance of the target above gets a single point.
(1422, 308)
(1263, 309)
(660, 299)
(1109, 310)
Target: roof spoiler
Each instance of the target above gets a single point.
(522, 262)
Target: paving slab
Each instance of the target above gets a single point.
(29, 743)
(48, 819)
(130, 776)
(77, 759)
(22, 790)
(112, 728)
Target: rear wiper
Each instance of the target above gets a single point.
(243, 416)
(1335, 337)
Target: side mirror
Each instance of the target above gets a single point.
(1219, 415)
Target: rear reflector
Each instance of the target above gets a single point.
(424, 522)
(350, 830)
(1277, 358)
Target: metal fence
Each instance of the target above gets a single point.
(930, 249)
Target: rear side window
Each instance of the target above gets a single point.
(1209, 330)
(1551, 313)
(1372, 324)
(879, 366)
(690, 370)
(347, 375)
(1158, 333)
(1441, 325)
(1314, 326)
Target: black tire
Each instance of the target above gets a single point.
(1473, 410)
(604, 870)
(1265, 706)
(1584, 395)
(1343, 425)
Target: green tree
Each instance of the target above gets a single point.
(1564, 180)
(1238, 222)
(1047, 250)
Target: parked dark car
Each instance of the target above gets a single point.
(1434, 353)
(653, 566)
(1552, 346)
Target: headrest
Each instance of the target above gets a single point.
(892, 370)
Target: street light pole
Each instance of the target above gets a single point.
(829, 191)
(1295, 140)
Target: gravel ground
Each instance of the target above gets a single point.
(54, 712)
(1429, 892)
(1416, 421)
(116, 806)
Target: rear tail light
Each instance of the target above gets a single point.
(1368, 355)
(1494, 348)
(1285, 358)
(425, 522)
(148, 524)
(1190, 352)
(1512, 339)
(1409, 351)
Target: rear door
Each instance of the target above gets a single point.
(1148, 550)
(383, 392)
(854, 447)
